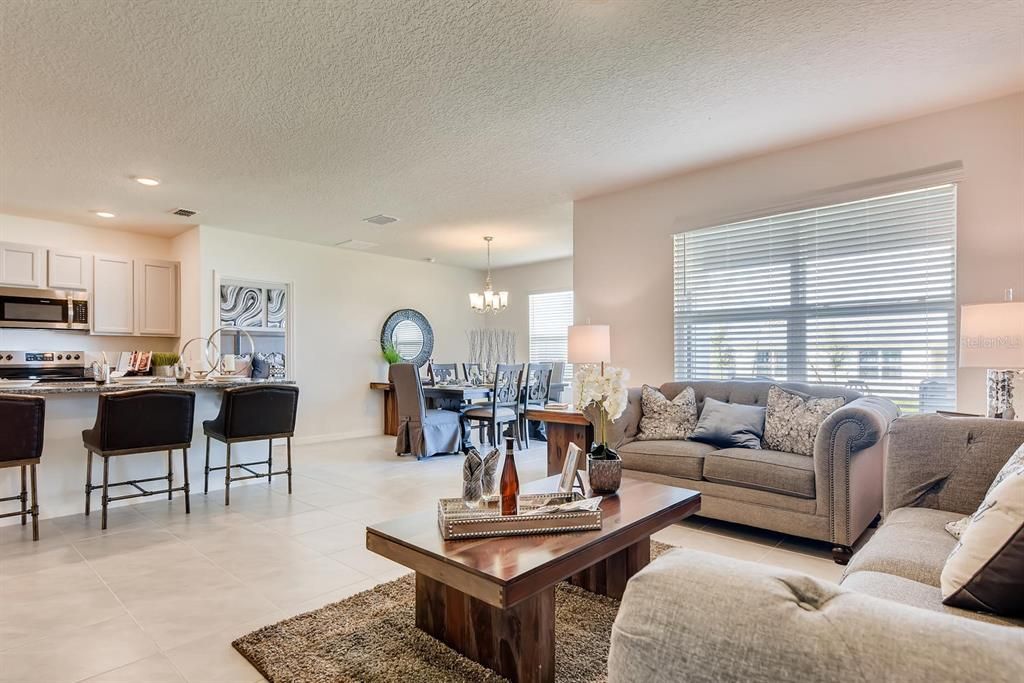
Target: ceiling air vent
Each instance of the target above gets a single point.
(358, 245)
(381, 219)
(187, 213)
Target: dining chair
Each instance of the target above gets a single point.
(422, 432)
(504, 406)
(443, 373)
(536, 386)
(471, 370)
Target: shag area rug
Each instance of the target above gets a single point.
(372, 636)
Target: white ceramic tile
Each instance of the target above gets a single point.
(153, 669)
(78, 654)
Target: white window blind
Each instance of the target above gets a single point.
(550, 318)
(860, 294)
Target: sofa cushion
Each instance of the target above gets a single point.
(899, 589)
(985, 571)
(1015, 463)
(665, 419)
(786, 473)
(912, 543)
(792, 419)
(729, 425)
(672, 458)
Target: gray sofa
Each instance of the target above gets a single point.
(831, 497)
(701, 617)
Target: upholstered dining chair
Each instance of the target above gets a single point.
(443, 372)
(422, 432)
(504, 406)
(536, 386)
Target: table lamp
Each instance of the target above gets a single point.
(992, 337)
(590, 344)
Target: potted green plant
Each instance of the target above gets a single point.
(602, 391)
(163, 363)
(390, 354)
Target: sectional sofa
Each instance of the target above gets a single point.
(833, 496)
(701, 617)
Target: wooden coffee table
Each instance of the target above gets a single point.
(493, 599)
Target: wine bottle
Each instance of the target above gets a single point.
(509, 481)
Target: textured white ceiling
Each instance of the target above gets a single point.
(461, 117)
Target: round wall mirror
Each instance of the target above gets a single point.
(411, 335)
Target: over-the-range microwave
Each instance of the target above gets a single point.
(47, 309)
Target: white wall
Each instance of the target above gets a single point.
(623, 240)
(341, 299)
(520, 282)
(92, 240)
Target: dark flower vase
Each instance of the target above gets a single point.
(604, 469)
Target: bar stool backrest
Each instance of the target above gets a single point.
(259, 411)
(133, 420)
(21, 424)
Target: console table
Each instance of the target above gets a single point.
(563, 427)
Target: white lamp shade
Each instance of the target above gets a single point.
(992, 336)
(590, 344)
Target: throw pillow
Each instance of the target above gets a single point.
(1016, 462)
(792, 419)
(665, 419)
(730, 425)
(983, 573)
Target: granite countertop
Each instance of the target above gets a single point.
(88, 387)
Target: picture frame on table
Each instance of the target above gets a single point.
(570, 472)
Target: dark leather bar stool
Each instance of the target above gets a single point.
(143, 421)
(252, 413)
(21, 423)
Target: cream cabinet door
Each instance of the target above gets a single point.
(156, 298)
(21, 265)
(113, 298)
(68, 269)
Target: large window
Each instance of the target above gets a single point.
(550, 318)
(858, 294)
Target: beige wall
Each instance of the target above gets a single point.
(623, 240)
(341, 299)
(520, 282)
(53, 234)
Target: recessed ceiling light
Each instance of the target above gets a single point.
(105, 214)
(148, 182)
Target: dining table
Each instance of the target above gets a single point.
(446, 396)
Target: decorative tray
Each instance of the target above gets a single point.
(458, 521)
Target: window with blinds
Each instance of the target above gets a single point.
(550, 318)
(860, 294)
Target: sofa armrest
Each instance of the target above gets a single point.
(700, 617)
(946, 463)
(849, 454)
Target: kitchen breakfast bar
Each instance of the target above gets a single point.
(71, 407)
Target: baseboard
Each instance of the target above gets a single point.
(335, 436)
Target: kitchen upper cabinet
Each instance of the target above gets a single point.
(156, 298)
(21, 265)
(113, 300)
(69, 269)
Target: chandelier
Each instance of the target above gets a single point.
(489, 301)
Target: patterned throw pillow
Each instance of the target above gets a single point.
(983, 573)
(792, 419)
(1016, 462)
(665, 419)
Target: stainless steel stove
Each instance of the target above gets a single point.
(45, 366)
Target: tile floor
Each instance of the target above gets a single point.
(160, 596)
